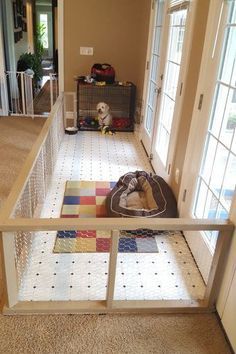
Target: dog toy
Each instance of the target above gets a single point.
(106, 130)
(93, 122)
(100, 83)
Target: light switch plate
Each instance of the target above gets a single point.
(86, 50)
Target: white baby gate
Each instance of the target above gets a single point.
(19, 86)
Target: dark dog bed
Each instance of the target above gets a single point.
(138, 194)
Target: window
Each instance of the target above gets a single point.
(155, 64)
(174, 55)
(43, 19)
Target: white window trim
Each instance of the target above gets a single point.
(61, 46)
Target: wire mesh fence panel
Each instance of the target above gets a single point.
(32, 197)
(59, 276)
(78, 267)
(23, 248)
(37, 186)
(163, 270)
(23, 208)
(40, 177)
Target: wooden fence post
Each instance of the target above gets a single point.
(217, 267)
(112, 267)
(9, 268)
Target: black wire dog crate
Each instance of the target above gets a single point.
(120, 98)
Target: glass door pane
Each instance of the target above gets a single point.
(171, 78)
(154, 69)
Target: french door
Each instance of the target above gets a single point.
(209, 175)
(165, 83)
(154, 70)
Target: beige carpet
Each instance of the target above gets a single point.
(17, 136)
(139, 334)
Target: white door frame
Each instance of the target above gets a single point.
(3, 86)
(61, 82)
(209, 65)
(144, 136)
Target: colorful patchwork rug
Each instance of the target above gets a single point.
(86, 199)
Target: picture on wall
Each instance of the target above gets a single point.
(19, 6)
(24, 26)
(15, 37)
(24, 11)
(19, 21)
(15, 18)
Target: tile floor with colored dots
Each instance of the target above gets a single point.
(169, 274)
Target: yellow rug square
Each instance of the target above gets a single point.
(87, 184)
(85, 245)
(72, 192)
(100, 200)
(102, 184)
(73, 184)
(103, 234)
(70, 209)
(65, 245)
(87, 211)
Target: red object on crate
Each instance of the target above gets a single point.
(120, 122)
(103, 72)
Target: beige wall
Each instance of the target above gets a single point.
(118, 32)
(116, 29)
(190, 90)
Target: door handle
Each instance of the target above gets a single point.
(158, 90)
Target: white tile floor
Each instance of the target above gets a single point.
(169, 274)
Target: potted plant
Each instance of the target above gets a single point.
(33, 61)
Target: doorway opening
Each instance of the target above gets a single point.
(28, 64)
(45, 25)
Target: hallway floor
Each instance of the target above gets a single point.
(170, 273)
